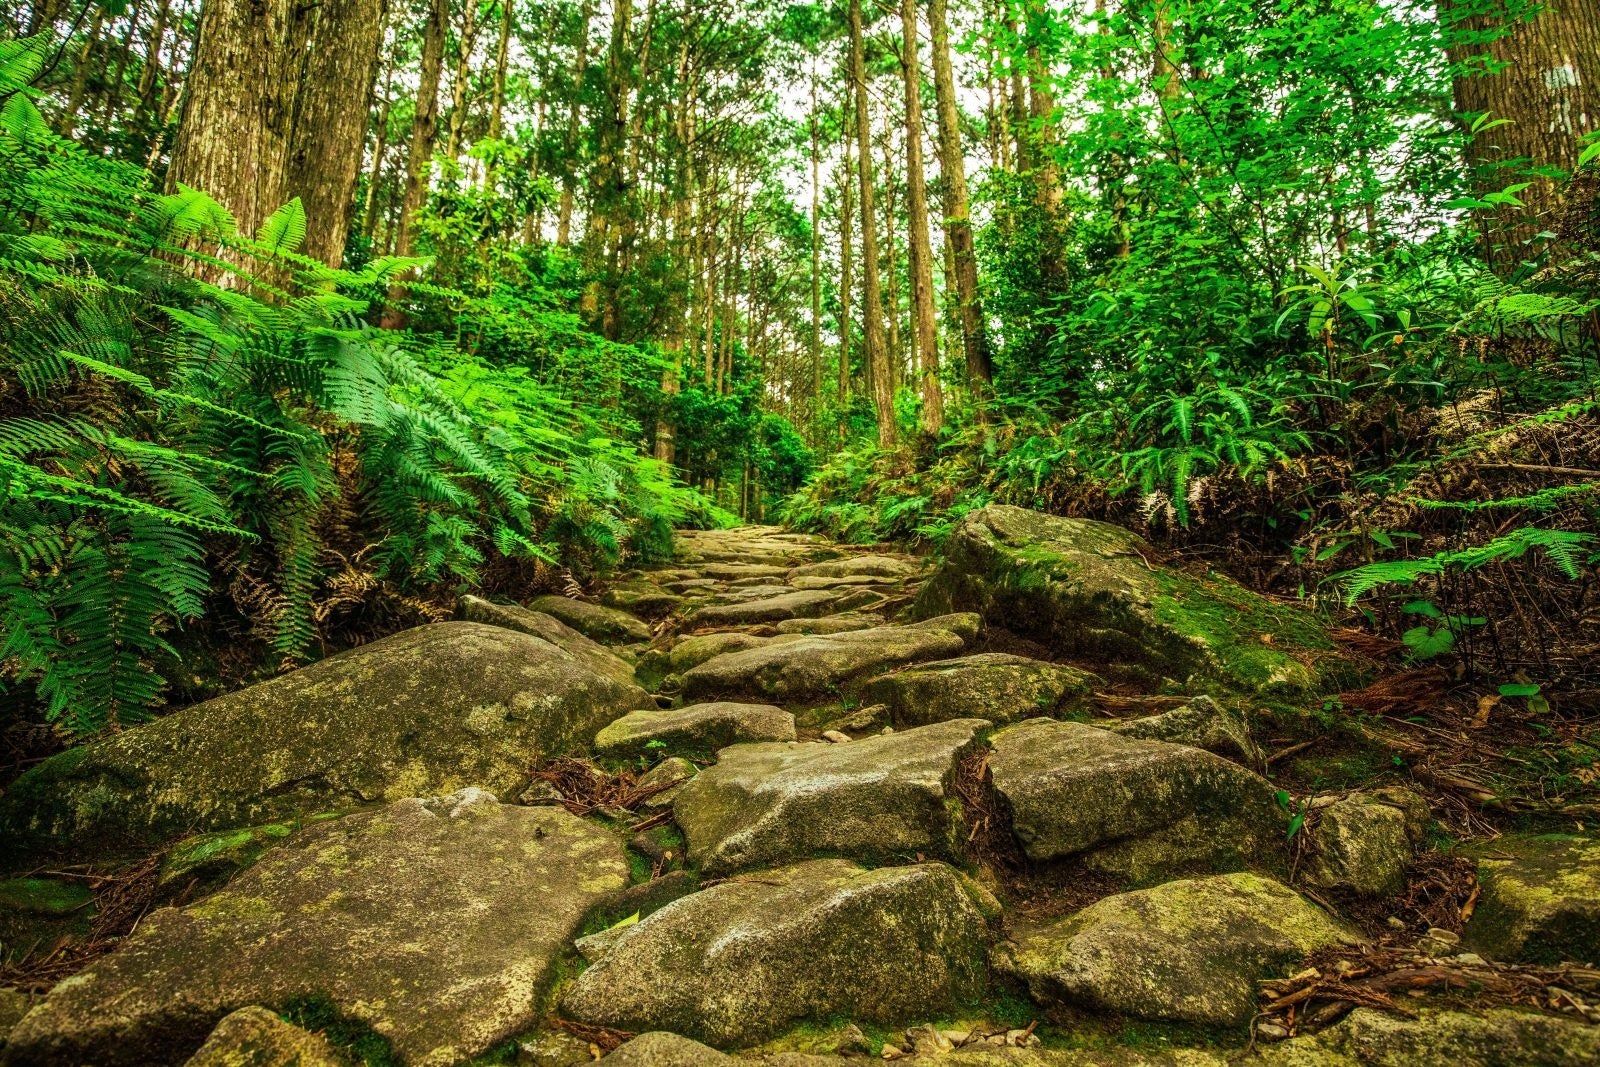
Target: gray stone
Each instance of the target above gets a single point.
(878, 798)
(699, 729)
(661, 1049)
(1364, 842)
(606, 625)
(368, 911)
(801, 603)
(690, 652)
(643, 599)
(838, 581)
(1086, 589)
(1201, 723)
(1138, 809)
(832, 624)
(426, 711)
(873, 566)
(1540, 901)
(255, 1037)
(667, 775)
(591, 654)
(742, 961)
(807, 668)
(1190, 951)
(999, 687)
(1493, 1037)
(14, 1004)
(732, 571)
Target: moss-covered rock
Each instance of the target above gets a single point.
(439, 923)
(1138, 809)
(881, 797)
(591, 654)
(995, 686)
(1540, 901)
(217, 857)
(640, 598)
(14, 1004)
(690, 652)
(1363, 842)
(661, 1049)
(699, 729)
(595, 621)
(832, 624)
(1496, 1037)
(1085, 589)
(35, 913)
(818, 667)
(1190, 951)
(740, 962)
(423, 712)
(256, 1037)
(1201, 723)
(874, 566)
(791, 604)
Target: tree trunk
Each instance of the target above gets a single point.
(233, 140)
(80, 74)
(816, 256)
(330, 127)
(501, 52)
(872, 312)
(380, 149)
(846, 273)
(924, 314)
(424, 124)
(461, 83)
(152, 59)
(957, 213)
(1543, 75)
(580, 67)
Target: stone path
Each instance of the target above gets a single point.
(793, 801)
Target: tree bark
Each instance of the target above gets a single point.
(233, 140)
(330, 129)
(924, 315)
(846, 251)
(580, 68)
(424, 125)
(872, 312)
(501, 53)
(1543, 75)
(957, 212)
(816, 255)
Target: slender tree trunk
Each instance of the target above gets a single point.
(80, 74)
(1543, 75)
(380, 149)
(846, 243)
(816, 255)
(113, 98)
(957, 213)
(152, 60)
(501, 53)
(331, 119)
(889, 265)
(580, 69)
(872, 312)
(424, 125)
(461, 83)
(925, 315)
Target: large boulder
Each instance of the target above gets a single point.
(742, 961)
(819, 667)
(1540, 901)
(1137, 809)
(660, 1048)
(1201, 723)
(699, 729)
(1363, 842)
(1493, 1037)
(641, 598)
(256, 1037)
(1086, 589)
(608, 626)
(794, 604)
(999, 687)
(690, 652)
(414, 919)
(1188, 951)
(591, 654)
(426, 711)
(880, 798)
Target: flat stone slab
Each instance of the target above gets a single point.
(743, 961)
(640, 598)
(836, 581)
(732, 571)
(800, 603)
(1540, 901)
(831, 624)
(692, 651)
(606, 625)
(699, 729)
(423, 712)
(872, 566)
(1201, 723)
(1189, 951)
(1492, 1037)
(880, 798)
(818, 667)
(440, 923)
(1133, 808)
(999, 687)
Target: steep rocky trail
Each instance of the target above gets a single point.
(783, 800)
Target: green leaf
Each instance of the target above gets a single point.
(1519, 689)
(284, 229)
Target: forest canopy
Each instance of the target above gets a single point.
(313, 317)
